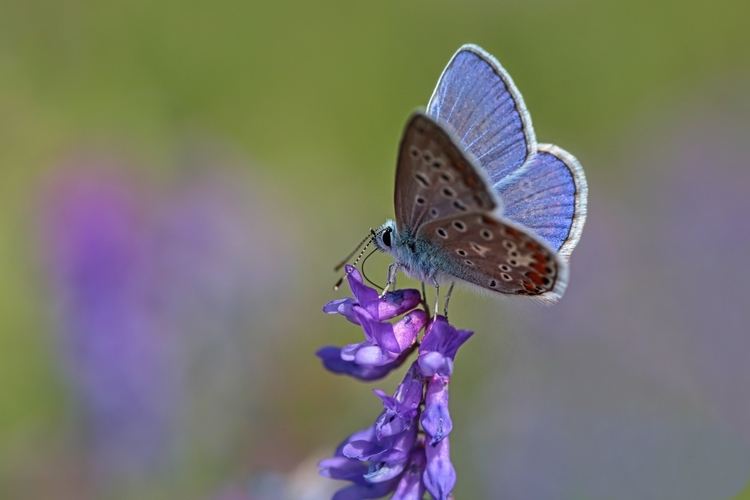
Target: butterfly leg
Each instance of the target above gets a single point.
(437, 294)
(448, 299)
(392, 269)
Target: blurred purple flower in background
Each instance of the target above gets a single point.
(154, 301)
(393, 455)
(117, 352)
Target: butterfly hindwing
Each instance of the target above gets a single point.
(478, 99)
(548, 195)
(497, 255)
(434, 178)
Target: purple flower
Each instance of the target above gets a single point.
(119, 362)
(439, 476)
(386, 344)
(436, 421)
(385, 341)
(393, 304)
(331, 357)
(402, 407)
(396, 455)
(439, 347)
(411, 486)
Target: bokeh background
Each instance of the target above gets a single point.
(177, 180)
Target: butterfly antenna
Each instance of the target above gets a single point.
(365, 274)
(371, 237)
(343, 262)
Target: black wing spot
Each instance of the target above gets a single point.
(422, 179)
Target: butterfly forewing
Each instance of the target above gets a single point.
(497, 255)
(434, 179)
(478, 99)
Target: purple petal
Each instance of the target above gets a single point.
(344, 307)
(398, 302)
(395, 419)
(378, 332)
(365, 491)
(349, 351)
(401, 409)
(343, 468)
(385, 472)
(390, 449)
(399, 446)
(331, 357)
(366, 297)
(373, 356)
(411, 487)
(433, 362)
(436, 420)
(363, 450)
(407, 328)
(439, 475)
(443, 338)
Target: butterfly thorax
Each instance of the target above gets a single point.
(420, 258)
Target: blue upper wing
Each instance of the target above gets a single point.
(541, 187)
(548, 195)
(478, 99)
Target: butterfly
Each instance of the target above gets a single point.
(476, 198)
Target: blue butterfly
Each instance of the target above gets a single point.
(477, 199)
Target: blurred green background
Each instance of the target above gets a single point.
(264, 135)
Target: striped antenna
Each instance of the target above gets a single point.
(341, 264)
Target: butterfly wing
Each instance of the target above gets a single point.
(545, 191)
(548, 195)
(434, 179)
(455, 215)
(478, 99)
(498, 255)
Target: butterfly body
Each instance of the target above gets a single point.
(420, 258)
(476, 198)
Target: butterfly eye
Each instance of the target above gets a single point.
(387, 237)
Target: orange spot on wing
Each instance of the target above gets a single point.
(538, 266)
(535, 277)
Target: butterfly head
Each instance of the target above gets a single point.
(384, 237)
